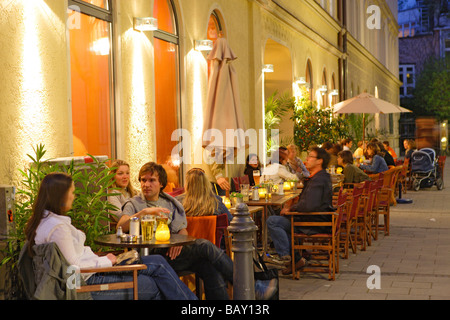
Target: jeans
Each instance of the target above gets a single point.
(279, 228)
(158, 282)
(212, 265)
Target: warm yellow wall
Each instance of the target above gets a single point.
(34, 77)
(135, 104)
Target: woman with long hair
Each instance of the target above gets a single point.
(199, 198)
(122, 184)
(50, 224)
(352, 174)
(378, 164)
(251, 164)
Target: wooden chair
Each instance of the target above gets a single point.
(27, 275)
(342, 211)
(318, 244)
(385, 198)
(237, 181)
(354, 200)
(365, 211)
(213, 228)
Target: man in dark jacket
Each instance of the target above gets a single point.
(316, 196)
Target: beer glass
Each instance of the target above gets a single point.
(147, 226)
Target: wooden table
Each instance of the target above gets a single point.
(277, 201)
(113, 241)
(251, 209)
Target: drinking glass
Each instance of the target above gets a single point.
(147, 226)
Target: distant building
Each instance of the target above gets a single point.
(424, 32)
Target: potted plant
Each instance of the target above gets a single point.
(236, 198)
(90, 209)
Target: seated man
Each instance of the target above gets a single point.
(316, 197)
(211, 263)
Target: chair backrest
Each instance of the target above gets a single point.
(211, 228)
(237, 181)
(388, 177)
(380, 180)
(203, 227)
(356, 197)
(244, 179)
(341, 207)
(372, 195)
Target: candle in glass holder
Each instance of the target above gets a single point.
(262, 193)
(162, 232)
(227, 202)
(286, 186)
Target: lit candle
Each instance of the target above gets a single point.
(286, 186)
(227, 202)
(262, 192)
(162, 232)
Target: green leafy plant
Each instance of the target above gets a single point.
(276, 107)
(313, 125)
(90, 208)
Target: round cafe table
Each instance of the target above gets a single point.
(112, 241)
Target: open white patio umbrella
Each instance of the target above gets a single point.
(367, 103)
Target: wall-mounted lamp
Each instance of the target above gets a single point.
(323, 89)
(300, 81)
(268, 68)
(335, 92)
(203, 45)
(145, 24)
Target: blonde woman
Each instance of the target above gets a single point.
(121, 185)
(199, 198)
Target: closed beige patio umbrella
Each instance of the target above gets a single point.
(223, 109)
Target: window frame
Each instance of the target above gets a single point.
(105, 15)
(174, 39)
(403, 71)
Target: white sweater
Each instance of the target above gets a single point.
(59, 229)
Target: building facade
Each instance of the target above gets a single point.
(81, 77)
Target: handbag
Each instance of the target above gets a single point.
(267, 286)
(129, 257)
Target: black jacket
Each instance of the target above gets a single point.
(317, 196)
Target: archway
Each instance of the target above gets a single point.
(280, 80)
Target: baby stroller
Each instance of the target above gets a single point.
(425, 170)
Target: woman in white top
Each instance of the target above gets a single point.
(49, 223)
(277, 171)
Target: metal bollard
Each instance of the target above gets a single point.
(242, 229)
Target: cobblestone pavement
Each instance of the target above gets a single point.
(414, 260)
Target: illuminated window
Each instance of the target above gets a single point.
(91, 74)
(407, 77)
(166, 86)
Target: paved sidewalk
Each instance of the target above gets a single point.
(414, 260)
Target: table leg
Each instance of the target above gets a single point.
(264, 231)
